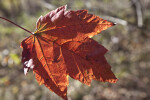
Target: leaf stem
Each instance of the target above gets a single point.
(16, 25)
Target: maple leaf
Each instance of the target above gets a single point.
(62, 46)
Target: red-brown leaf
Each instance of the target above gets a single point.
(62, 46)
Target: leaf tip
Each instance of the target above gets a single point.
(113, 80)
(114, 23)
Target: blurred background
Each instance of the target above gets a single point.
(128, 43)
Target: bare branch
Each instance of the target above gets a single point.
(138, 9)
(115, 20)
(47, 5)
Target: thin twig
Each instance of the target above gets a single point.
(16, 25)
(47, 5)
(116, 20)
(138, 9)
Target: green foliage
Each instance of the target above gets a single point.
(15, 58)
